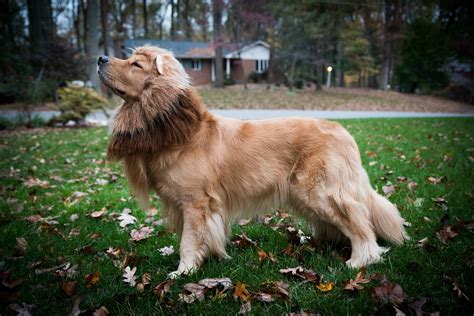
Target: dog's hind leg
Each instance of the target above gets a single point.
(203, 234)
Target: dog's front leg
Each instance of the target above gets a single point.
(193, 248)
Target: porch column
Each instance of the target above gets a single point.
(213, 71)
(227, 68)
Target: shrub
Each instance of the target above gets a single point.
(76, 102)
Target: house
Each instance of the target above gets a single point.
(239, 61)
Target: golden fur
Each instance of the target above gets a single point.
(209, 170)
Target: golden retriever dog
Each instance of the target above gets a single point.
(210, 170)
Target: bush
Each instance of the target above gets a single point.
(21, 120)
(257, 77)
(76, 102)
(298, 83)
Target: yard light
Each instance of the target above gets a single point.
(329, 69)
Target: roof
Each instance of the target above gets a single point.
(190, 49)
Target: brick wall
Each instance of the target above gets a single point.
(199, 77)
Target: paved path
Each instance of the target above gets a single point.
(100, 119)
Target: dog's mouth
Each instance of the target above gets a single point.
(112, 87)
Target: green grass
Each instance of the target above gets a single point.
(413, 148)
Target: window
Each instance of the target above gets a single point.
(261, 65)
(196, 64)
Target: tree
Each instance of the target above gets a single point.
(145, 19)
(92, 40)
(217, 11)
(104, 24)
(40, 28)
(425, 50)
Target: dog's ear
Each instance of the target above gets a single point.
(159, 64)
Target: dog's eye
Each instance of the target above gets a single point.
(136, 64)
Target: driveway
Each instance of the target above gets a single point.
(100, 119)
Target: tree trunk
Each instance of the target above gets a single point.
(40, 27)
(134, 18)
(217, 11)
(188, 29)
(173, 21)
(339, 70)
(145, 19)
(103, 20)
(385, 62)
(92, 39)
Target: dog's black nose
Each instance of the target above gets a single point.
(102, 60)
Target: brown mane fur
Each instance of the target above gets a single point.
(174, 125)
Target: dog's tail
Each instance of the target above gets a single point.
(387, 222)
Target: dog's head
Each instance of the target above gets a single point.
(160, 108)
(150, 70)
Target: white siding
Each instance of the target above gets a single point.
(259, 52)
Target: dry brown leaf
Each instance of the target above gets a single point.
(34, 218)
(98, 214)
(446, 234)
(388, 292)
(263, 297)
(164, 287)
(325, 287)
(245, 308)
(223, 283)
(91, 279)
(241, 292)
(354, 284)
(102, 311)
(69, 287)
(242, 241)
(306, 274)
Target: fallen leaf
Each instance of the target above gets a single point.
(412, 185)
(125, 218)
(244, 221)
(305, 274)
(162, 288)
(354, 284)
(166, 251)
(74, 198)
(35, 182)
(325, 287)
(446, 234)
(242, 241)
(263, 297)
(241, 292)
(92, 279)
(74, 217)
(276, 288)
(101, 182)
(101, 311)
(24, 310)
(388, 292)
(129, 276)
(388, 189)
(69, 287)
(11, 283)
(245, 308)
(195, 290)
(34, 218)
(21, 244)
(75, 307)
(143, 233)
(417, 306)
(98, 214)
(224, 283)
(434, 180)
(423, 242)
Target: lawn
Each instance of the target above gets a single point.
(257, 96)
(61, 241)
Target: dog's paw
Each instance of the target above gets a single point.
(174, 275)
